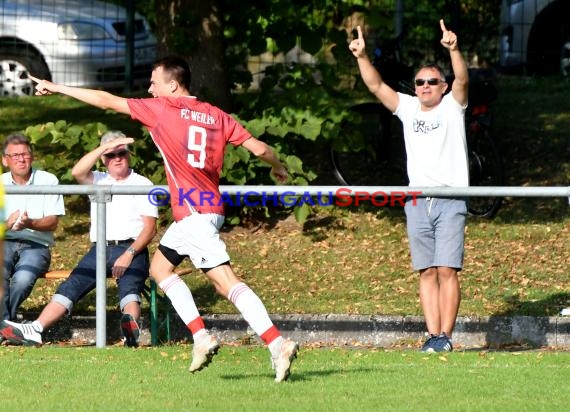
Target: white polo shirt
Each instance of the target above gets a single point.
(37, 206)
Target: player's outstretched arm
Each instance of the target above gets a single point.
(265, 153)
(97, 98)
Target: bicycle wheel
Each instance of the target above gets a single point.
(485, 169)
(365, 155)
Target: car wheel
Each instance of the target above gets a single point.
(14, 69)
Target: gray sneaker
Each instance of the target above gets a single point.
(20, 333)
(131, 330)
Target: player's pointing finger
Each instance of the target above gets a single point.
(442, 25)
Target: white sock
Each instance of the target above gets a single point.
(181, 298)
(275, 346)
(201, 334)
(251, 307)
(37, 326)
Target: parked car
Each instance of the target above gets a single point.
(76, 42)
(535, 34)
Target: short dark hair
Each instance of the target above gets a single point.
(16, 138)
(177, 68)
(434, 67)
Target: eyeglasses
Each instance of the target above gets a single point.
(120, 153)
(431, 82)
(24, 156)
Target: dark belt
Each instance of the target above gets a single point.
(118, 242)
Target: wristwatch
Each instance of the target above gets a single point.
(132, 250)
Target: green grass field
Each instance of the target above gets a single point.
(352, 261)
(240, 379)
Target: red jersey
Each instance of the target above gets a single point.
(191, 136)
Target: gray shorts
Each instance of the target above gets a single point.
(436, 231)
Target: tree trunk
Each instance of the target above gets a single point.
(193, 29)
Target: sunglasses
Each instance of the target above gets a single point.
(120, 153)
(431, 82)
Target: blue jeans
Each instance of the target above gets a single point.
(24, 262)
(82, 279)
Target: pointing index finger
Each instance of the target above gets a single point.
(35, 79)
(442, 25)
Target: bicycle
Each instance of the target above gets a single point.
(366, 156)
(485, 160)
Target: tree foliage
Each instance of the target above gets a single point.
(297, 108)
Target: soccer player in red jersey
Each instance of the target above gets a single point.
(191, 136)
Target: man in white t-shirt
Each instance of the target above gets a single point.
(436, 151)
(130, 227)
(30, 222)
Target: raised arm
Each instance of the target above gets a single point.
(459, 88)
(97, 98)
(82, 171)
(387, 96)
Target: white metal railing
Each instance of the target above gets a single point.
(476, 191)
(103, 194)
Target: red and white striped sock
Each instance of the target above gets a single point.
(183, 302)
(254, 312)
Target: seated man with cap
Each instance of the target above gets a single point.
(130, 227)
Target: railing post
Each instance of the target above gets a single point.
(101, 197)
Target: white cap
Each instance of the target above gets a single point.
(111, 135)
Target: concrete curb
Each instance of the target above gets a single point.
(348, 330)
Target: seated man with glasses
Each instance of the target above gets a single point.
(130, 227)
(30, 221)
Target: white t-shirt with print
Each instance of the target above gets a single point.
(436, 145)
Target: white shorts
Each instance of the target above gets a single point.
(198, 237)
